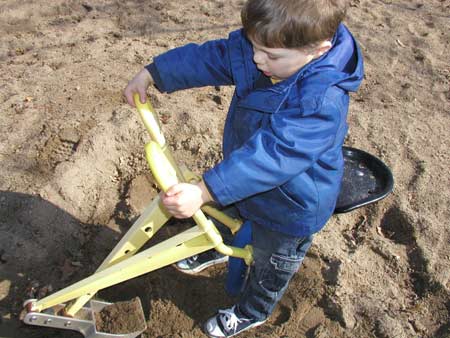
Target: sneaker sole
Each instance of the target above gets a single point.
(202, 266)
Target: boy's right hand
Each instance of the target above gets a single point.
(182, 200)
(138, 84)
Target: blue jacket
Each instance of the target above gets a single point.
(283, 162)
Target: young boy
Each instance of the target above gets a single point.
(293, 65)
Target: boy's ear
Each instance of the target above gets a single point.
(323, 48)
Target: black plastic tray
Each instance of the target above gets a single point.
(366, 180)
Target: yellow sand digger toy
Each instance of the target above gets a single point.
(72, 307)
(366, 180)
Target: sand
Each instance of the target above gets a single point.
(121, 318)
(73, 177)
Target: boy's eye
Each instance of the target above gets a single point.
(271, 57)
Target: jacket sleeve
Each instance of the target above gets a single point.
(288, 145)
(193, 65)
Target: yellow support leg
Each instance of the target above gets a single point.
(151, 220)
(181, 246)
(186, 244)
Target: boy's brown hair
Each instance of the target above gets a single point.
(292, 23)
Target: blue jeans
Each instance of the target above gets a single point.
(276, 258)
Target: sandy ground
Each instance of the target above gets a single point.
(73, 176)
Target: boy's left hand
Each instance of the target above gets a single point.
(183, 200)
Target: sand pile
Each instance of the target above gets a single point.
(73, 176)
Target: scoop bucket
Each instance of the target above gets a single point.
(84, 322)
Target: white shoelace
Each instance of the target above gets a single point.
(229, 319)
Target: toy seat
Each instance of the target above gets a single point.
(366, 180)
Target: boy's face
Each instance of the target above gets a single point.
(281, 63)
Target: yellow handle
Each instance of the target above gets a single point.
(150, 120)
(163, 171)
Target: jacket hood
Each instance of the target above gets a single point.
(341, 66)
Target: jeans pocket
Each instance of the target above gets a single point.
(279, 272)
(285, 264)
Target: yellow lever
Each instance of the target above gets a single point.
(151, 122)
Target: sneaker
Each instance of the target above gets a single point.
(197, 263)
(229, 323)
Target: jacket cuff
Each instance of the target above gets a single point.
(151, 68)
(217, 188)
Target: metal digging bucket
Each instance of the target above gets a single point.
(84, 321)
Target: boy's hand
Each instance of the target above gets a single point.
(183, 200)
(138, 84)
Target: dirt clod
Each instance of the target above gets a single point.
(121, 317)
